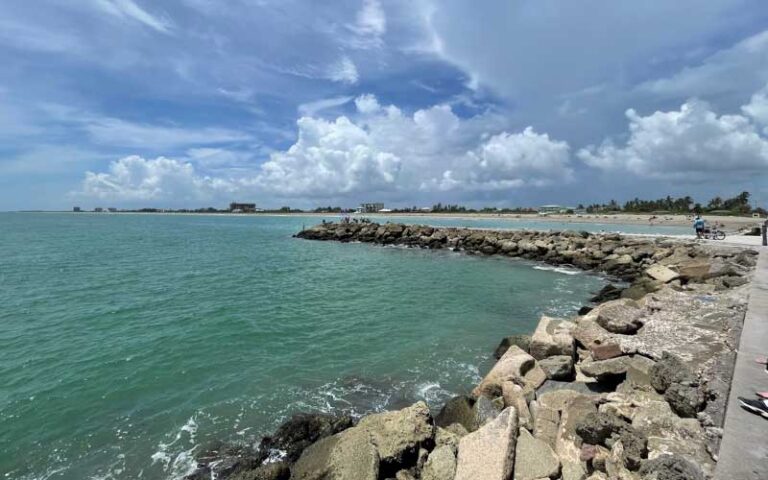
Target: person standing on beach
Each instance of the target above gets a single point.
(698, 225)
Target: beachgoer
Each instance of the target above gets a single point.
(698, 225)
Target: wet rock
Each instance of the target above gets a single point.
(534, 458)
(552, 337)
(620, 316)
(302, 430)
(670, 467)
(457, 410)
(270, 471)
(489, 453)
(441, 464)
(608, 292)
(584, 310)
(522, 341)
(559, 367)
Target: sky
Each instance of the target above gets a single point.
(197, 103)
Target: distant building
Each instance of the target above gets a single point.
(550, 209)
(112, 209)
(76, 209)
(98, 209)
(242, 207)
(370, 207)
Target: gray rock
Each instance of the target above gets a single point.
(685, 400)
(441, 464)
(534, 458)
(552, 337)
(457, 410)
(270, 471)
(349, 455)
(485, 411)
(668, 370)
(522, 341)
(559, 367)
(620, 316)
(489, 453)
(670, 467)
(603, 370)
(446, 438)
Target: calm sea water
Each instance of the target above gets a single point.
(127, 342)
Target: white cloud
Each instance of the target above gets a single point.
(367, 104)
(310, 109)
(757, 108)
(134, 178)
(693, 144)
(508, 161)
(128, 9)
(383, 152)
(344, 71)
(371, 19)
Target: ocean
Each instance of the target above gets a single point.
(129, 342)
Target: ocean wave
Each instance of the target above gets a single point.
(563, 270)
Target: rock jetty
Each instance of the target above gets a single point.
(633, 387)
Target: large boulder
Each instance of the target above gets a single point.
(670, 467)
(600, 428)
(349, 455)
(552, 337)
(441, 464)
(605, 370)
(685, 400)
(515, 366)
(662, 273)
(399, 435)
(457, 410)
(608, 292)
(515, 396)
(668, 370)
(545, 423)
(269, 471)
(489, 453)
(620, 316)
(559, 367)
(485, 411)
(522, 341)
(534, 458)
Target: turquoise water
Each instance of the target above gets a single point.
(129, 341)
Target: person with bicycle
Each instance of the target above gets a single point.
(698, 226)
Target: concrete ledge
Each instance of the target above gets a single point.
(744, 449)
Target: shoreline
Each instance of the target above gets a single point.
(570, 371)
(672, 220)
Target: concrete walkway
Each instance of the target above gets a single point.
(744, 449)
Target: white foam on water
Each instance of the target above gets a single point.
(563, 270)
(275, 456)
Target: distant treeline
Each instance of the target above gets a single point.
(737, 205)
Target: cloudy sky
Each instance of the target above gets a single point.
(189, 103)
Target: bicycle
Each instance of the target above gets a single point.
(713, 234)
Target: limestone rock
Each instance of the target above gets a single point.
(668, 370)
(558, 367)
(489, 453)
(398, 435)
(604, 351)
(534, 458)
(349, 455)
(662, 273)
(514, 396)
(606, 369)
(446, 438)
(552, 337)
(516, 366)
(457, 410)
(545, 423)
(685, 400)
(670, 467)
(620, 316)
(485, 411)
(441, 464)
(522, 341)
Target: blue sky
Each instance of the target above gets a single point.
(191, 103)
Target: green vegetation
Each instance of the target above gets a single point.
(738, 205)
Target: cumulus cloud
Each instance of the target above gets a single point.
(757, 108)
(692, 143)
(382, 151)
(509, 161)
(135, 178)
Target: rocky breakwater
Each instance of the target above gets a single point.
(631, 388)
